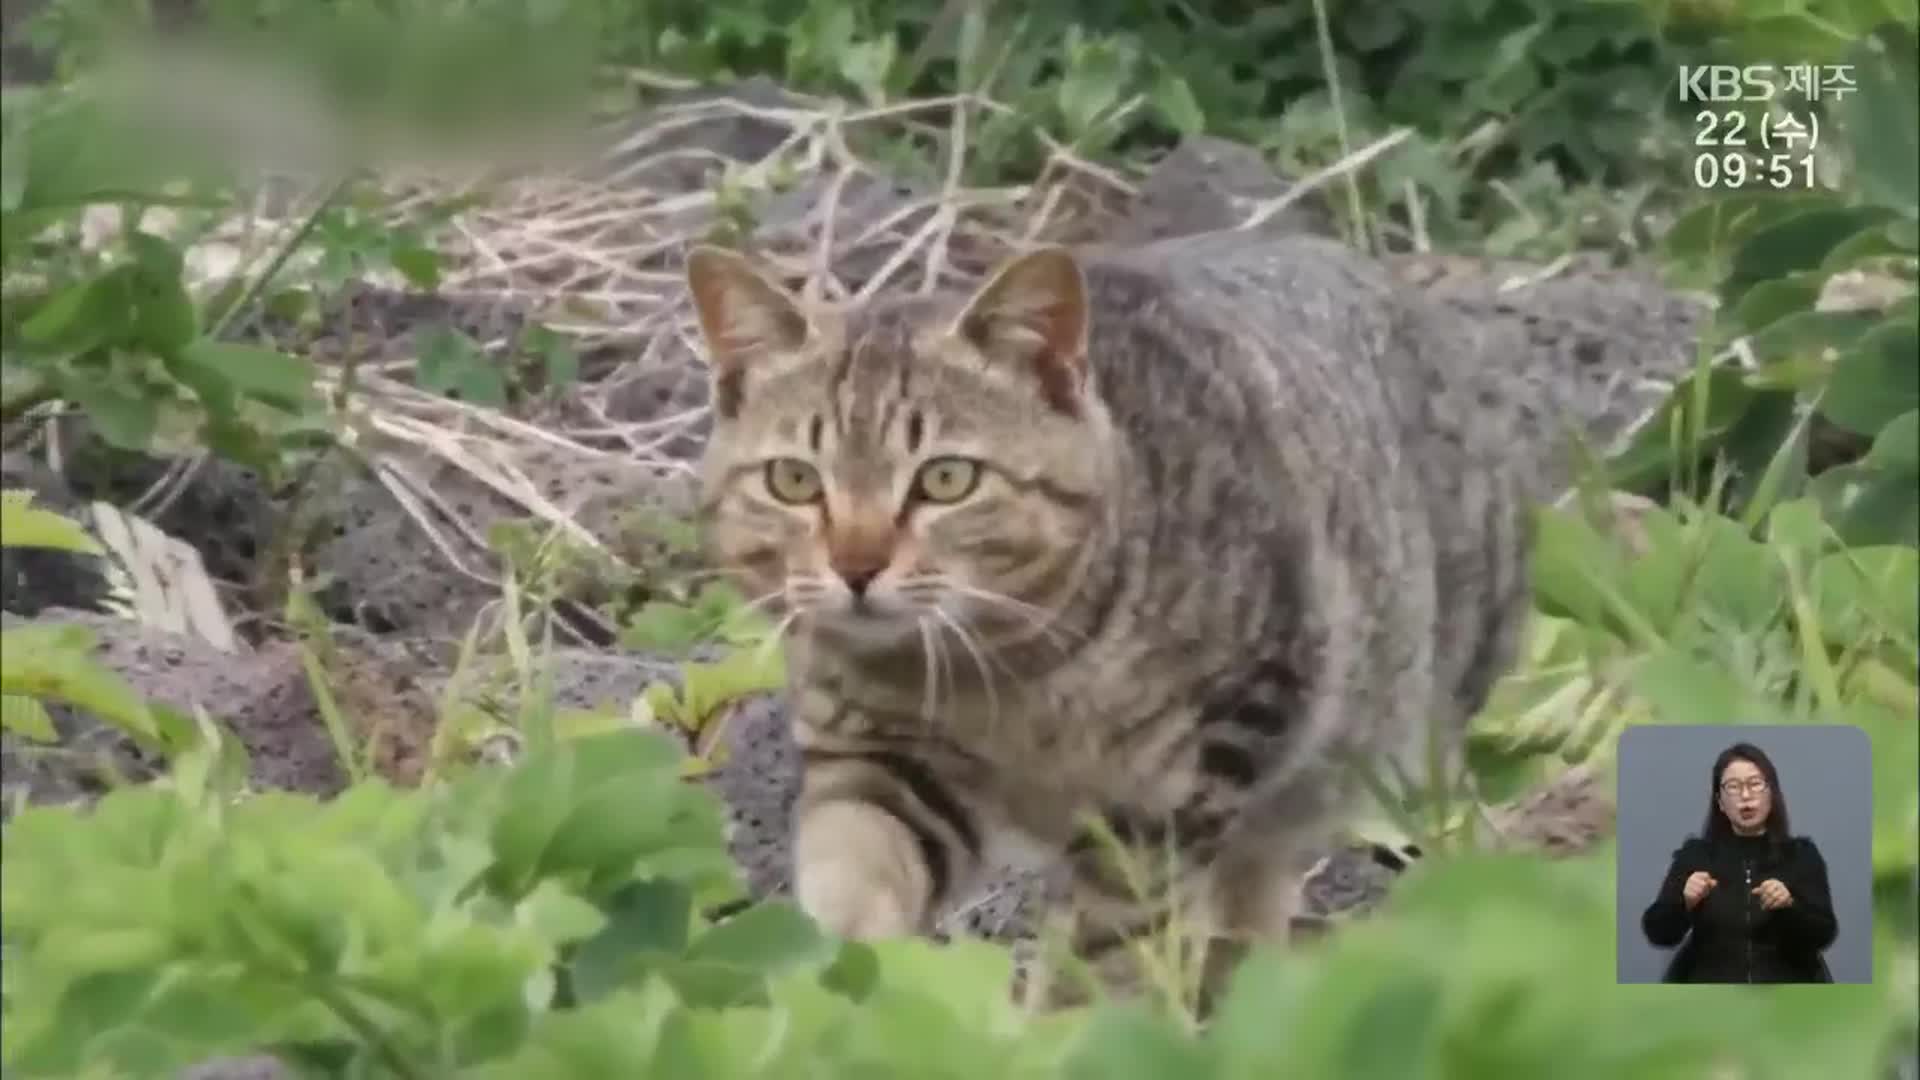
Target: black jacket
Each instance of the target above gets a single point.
(1727, 937)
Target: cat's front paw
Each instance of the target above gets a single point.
(858, 873)
(848, 903)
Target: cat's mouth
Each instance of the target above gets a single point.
(866, 622)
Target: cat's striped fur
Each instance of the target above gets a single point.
(1225, 509)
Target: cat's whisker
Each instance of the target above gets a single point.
(708, 573)
(1038, 619)
(777, 636)
(805, 585)
(928, 648)
(980, 662)
(759, 603)
(945, 655)
(795, 599)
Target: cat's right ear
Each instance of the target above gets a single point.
(1032, 313)
(744, 316)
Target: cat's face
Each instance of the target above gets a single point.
(914, 468)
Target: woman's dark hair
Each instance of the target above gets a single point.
(1717, 826)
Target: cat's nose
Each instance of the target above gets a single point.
(859, 548)
(859, 578)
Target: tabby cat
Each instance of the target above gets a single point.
(1140, 545)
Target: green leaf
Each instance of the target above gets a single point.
(1096, 72)
(164, 319)
(730, 963)
(1882, 118)
(1715, 230)
(450, 362)
(1771, 301)
(1877, 380)
(854, 972)
(1867, 591)
(13, 163)
(1897, 447)
(1869, 506)
(1797, 243)
(125, 413)
(26, 526)
(614, 1038)
(419, 264)
(556, 355)
(558, 916)
(647, 925)
(1250, 1032)
(56, 662)
(80, 151)
(1130, 1042)
(205, 762)
(595, 804)
(28, 717)
(664, 626)
(1174, 100)
(1810, 332)
(79, 316)
(267, 374)
(1649, 458)
(866, 66)
(1573, 567)
(1876, 242)
(1682, 690)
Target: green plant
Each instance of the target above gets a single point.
(545, 921)
(1828, 406)
(41, 663)
(115, 330)
(44, 664)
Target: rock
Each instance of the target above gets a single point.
(1567, 815)
(759, 781)
(669, 394)
(1208, 183)
(1600, 345)
(585, 679)
(261, 696)
(383, 572)
(680, 143)
(1350, 880)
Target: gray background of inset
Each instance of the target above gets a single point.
(1826, 771)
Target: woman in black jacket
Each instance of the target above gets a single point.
(1748, 898)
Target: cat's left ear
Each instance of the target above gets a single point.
(744, 315)
(1033, 313)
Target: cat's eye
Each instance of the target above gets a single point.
(793, 481)
(947, 479)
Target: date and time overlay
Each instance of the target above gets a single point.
(1735, 145)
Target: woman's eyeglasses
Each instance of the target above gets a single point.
(1755, 786)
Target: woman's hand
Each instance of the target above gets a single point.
(1772, 894)
(1699, 883)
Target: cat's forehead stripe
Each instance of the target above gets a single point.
(873, 375)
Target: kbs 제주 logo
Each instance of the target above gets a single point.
(1756, 125)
